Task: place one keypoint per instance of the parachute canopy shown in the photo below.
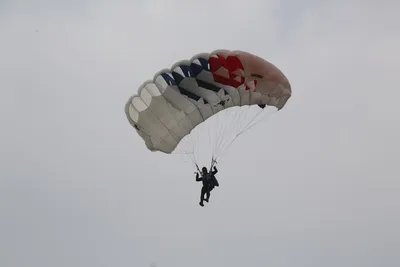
(170, 106)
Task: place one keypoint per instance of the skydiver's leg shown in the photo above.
(203, 191)
(208, 196)
(208, 193)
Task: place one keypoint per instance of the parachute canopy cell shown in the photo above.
(166, 109)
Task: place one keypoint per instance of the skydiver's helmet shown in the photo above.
(204, 170)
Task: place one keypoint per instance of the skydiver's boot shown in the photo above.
(201, 203)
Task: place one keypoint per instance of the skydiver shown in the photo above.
(206, 179)
(209, 182)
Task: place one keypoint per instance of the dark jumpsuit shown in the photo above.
(209, 182)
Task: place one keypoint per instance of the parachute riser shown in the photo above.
(213, 163)
(198, 169)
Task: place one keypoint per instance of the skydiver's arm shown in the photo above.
(198, 179)
(215, 171)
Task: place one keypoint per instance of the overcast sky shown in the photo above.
(316, 185)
